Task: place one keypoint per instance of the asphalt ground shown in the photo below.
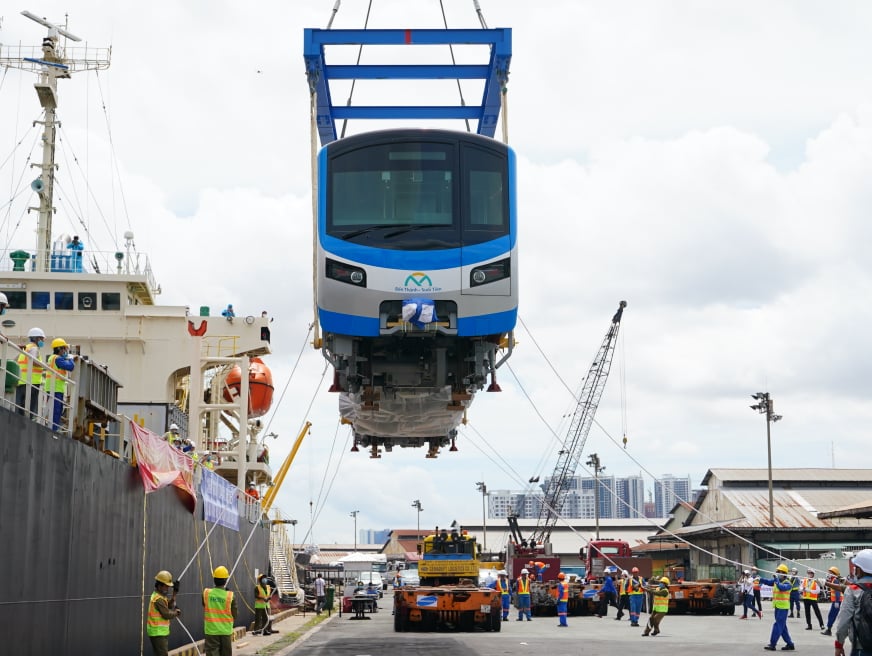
(712, 635)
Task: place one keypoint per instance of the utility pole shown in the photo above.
(417, 504)
(764, 406)
(594, 461)
(481, 487)
(353, 513)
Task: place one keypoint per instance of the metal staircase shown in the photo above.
(281, 557)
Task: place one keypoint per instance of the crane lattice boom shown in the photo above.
(588, 399)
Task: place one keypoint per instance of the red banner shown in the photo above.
(160, 464)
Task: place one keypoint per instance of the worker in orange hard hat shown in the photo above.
(636, 590)
(836, 584)
(562, 598)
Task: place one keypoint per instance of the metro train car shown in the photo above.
(416, 287)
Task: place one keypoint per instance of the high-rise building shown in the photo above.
(619, 497)
(668, 491)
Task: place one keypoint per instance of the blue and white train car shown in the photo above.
(416, 247)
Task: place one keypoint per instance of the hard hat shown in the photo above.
(164, 577)
(503, 572)
(863, 560)
(3, 299)
(58, 342)
(635, 570)
(525, 571)
(834, 570)
(220, 573)
(782, 569)
(746, 572)
(174, 428)
(794, 570)
(561, 576)
(665, 580)
(809, 571)
(251, 485)
(625, 573)
(36, 332)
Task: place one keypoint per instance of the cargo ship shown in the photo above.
(87, 517)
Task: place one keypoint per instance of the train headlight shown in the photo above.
(488, 273)
(346, 273)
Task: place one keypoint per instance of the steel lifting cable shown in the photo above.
(662, 528)
(359, 53)
(454, 63)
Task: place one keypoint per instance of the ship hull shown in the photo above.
(81, 543)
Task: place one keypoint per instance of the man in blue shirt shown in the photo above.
(781, 586)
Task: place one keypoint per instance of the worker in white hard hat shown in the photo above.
(504, 589)
(522, 587)
(31, 373)
(4, 303)
(862, 563)
(173, 434)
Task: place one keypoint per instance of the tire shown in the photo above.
(399, 620)
(496, 620)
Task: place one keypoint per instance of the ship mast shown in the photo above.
(52, 65)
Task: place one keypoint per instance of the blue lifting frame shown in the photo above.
(495, 74)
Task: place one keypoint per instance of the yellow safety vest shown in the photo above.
(24, 365)
(502, 587)
(660, 603)
(157, 625)
(60, 385)
(217, 618)
(263, 591)
(780, 598)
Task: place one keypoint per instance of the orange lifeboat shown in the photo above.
(260, 387)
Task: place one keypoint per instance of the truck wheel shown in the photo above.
(399, 621)
(496, 621)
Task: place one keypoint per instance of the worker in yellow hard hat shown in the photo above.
(61, 364)
(836, 584)
(161, 610)
(219, 614)
(659, 604)
(781, 586)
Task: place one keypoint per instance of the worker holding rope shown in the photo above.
(219, 614)
(161, 610)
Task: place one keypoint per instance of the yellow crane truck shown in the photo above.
(449, 596)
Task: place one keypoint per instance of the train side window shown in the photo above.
(17, 300)
(40, 300)
(87, 300)
(110, 301)
(63, 300)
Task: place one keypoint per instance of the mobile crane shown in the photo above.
(537, 549)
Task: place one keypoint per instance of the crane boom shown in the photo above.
(588, 400)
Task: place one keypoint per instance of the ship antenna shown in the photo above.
(52, 65)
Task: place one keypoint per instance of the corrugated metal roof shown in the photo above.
(817, 474)
(796, 508)
(859, 510)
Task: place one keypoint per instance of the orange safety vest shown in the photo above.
(756, 583)
(24, 365)
(636, 586)
(562, 592)
(157, 625)
(523, 586)
(622, 587)
(217, 618)
(810, 589)
(503, 587)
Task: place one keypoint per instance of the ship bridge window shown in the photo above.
(40, 300)
(87, 300)
(17, 300)
(63, 300)
(110, 300)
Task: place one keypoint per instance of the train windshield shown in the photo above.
(418, 195)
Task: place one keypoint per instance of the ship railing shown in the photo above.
(75, 58)
(62, 260)
(36, 401)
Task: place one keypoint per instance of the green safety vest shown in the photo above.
(262, 591)
(217, 618)
(60, 385)
(780, 598)
(157, 625)
(660, 602)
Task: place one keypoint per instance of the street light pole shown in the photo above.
(417, 504)
(481, 487)
(594, 461)
(354, 514)
(765, 406)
